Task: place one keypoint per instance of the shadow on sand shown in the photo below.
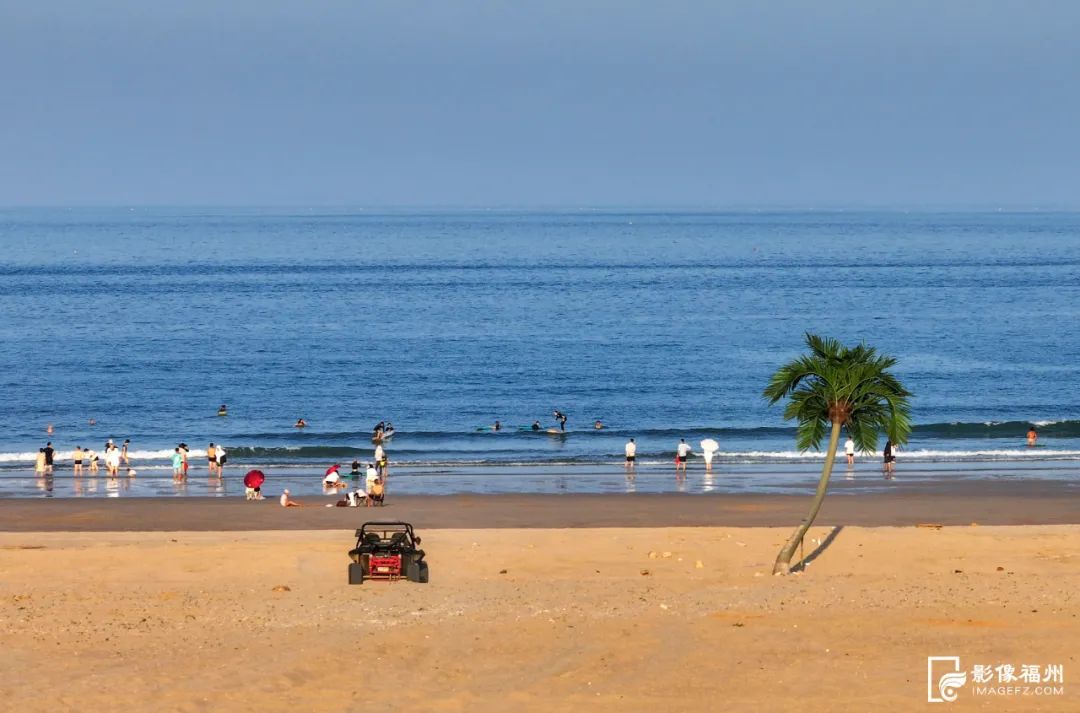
(801, 564)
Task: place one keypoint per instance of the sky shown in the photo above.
(522, 103)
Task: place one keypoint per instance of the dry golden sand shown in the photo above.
(580, 620)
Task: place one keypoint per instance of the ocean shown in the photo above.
(661, 325)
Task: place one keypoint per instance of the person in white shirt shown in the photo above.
(288, 502)
(849, 451)
(370, 476)
(631, 453)
(380, 458)
(112, 461)
(708, 450)
(682, 452)
(220, 454)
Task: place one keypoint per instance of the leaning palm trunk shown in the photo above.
(783, 560)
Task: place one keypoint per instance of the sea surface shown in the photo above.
(660, 325)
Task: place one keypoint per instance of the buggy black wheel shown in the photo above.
(356, 573)
(417, 572)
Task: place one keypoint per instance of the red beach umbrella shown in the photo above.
(333, 468)
(254, 479)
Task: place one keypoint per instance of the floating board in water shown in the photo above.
(555, 432)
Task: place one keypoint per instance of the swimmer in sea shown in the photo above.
(597, 425)
(223, 410)
(497, 426)
(300, 423)
(536, 426)
(1032, 436)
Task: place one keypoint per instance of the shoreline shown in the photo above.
(770, 478)
(955, 504)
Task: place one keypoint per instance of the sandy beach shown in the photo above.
(531, 618)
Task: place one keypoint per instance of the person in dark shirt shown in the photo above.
(561, 418)
(49, 453)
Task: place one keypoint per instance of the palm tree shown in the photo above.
(841, 387)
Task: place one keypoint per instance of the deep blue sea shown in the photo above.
(661, 325)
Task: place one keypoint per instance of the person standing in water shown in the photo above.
(211, 458)
(112, 461)
(889, 459)
(1032, 437)
(124, 452)
(708, 451)
(77, 458)
(849, 451)
(50, 454)
(221, 458)
(682, 452)
(631, 453)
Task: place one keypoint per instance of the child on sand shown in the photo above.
(288, 502)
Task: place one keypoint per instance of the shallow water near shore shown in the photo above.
(866, 477)
(661, 325)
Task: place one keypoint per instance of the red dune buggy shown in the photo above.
(387, 550)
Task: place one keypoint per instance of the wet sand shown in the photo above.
(532, 620)
(987, 503)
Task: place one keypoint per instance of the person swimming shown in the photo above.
(536, 426)
(300, 423)
(223, 410)
(1032, 436)
(497, 426)
(597, 424)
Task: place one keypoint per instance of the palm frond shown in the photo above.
(854, 384)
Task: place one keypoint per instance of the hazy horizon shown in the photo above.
(842, 105)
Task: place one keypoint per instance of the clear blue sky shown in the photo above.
(554, 102)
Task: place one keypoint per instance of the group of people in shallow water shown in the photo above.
(87, 460)
(683, 451)
(216, 458)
